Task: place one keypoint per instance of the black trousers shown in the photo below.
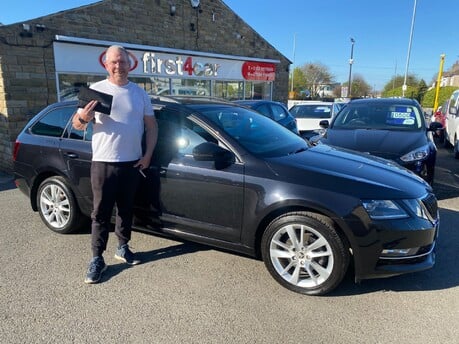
(113, 184)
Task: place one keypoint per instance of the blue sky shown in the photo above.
(322, 30)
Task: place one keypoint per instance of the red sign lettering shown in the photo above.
(259, 71)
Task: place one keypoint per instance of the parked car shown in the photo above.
(274, 110)
(308, 115)
(452, 124)
(227, 176)
(390, 128)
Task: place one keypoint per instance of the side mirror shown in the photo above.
(434, 126)
(324, 123)
(209, 151)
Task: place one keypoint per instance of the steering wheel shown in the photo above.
(357, 121)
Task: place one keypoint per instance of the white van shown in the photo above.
(452, 123)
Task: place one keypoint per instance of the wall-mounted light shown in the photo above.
(40, 27)
(172, 10)
(213, 16)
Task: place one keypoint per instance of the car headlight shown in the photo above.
(388, 209)
(384, 209)
(417, 208)
(418, 154)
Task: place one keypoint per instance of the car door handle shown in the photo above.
(71, 155)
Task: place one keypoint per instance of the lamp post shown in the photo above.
(292, 93)
(404, 87)
(351, 61)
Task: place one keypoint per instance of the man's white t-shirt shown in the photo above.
(118, 137)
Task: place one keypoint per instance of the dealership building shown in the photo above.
(180, 47)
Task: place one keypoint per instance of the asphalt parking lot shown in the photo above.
(189, 293)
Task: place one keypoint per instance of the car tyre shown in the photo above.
(304, 253)
(57, 206)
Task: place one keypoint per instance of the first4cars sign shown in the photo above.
(84, 59)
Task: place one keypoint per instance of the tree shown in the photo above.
(415, 89)
(422, 89)
(299, 83)
(316, 75)
(360, 88)
(398, 80)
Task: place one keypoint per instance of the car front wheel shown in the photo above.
(304, 253)
(57, 206)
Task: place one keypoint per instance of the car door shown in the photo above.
(452, 118)
(195, 196)
(75, 149)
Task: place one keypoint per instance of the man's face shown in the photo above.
(117, 64)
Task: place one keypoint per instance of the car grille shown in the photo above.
(431, 205)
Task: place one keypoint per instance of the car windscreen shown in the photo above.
(258, 134)
(379, 116)
(311, 111)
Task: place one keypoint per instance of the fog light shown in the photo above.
(399, 252)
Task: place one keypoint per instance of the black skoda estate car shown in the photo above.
(226, 176)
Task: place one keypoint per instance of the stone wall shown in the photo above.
(27, 75)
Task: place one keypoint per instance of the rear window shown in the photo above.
(54, 122)
(311, 111)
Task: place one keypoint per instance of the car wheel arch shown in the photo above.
(325, 231)
(63, 193)
(320, 215)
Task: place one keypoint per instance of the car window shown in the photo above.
(177, 135)
(311, 111)
(279, 112)
(265, 110)
(85, 135)
(256, 133)
(379, 116)
(54, 122)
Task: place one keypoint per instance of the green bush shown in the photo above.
(443, 95)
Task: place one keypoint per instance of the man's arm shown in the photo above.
(151, 136)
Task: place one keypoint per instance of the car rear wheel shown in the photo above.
(57, 206)
(304, 253)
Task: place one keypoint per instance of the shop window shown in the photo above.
(231, 90)
(257, 90)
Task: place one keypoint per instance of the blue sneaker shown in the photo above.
(124, 254)
(95, 269)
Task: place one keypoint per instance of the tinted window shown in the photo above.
(54, 122)
(265, 110)
(279, 112)
(177, 135)
(73, 133)
(311, 111)
(259, 135)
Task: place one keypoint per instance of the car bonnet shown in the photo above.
(389, 144)
(348, 172)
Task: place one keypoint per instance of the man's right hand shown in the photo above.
(88, 113)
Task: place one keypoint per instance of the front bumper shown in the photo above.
(394, 247)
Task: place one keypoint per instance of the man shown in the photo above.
(117, 159)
